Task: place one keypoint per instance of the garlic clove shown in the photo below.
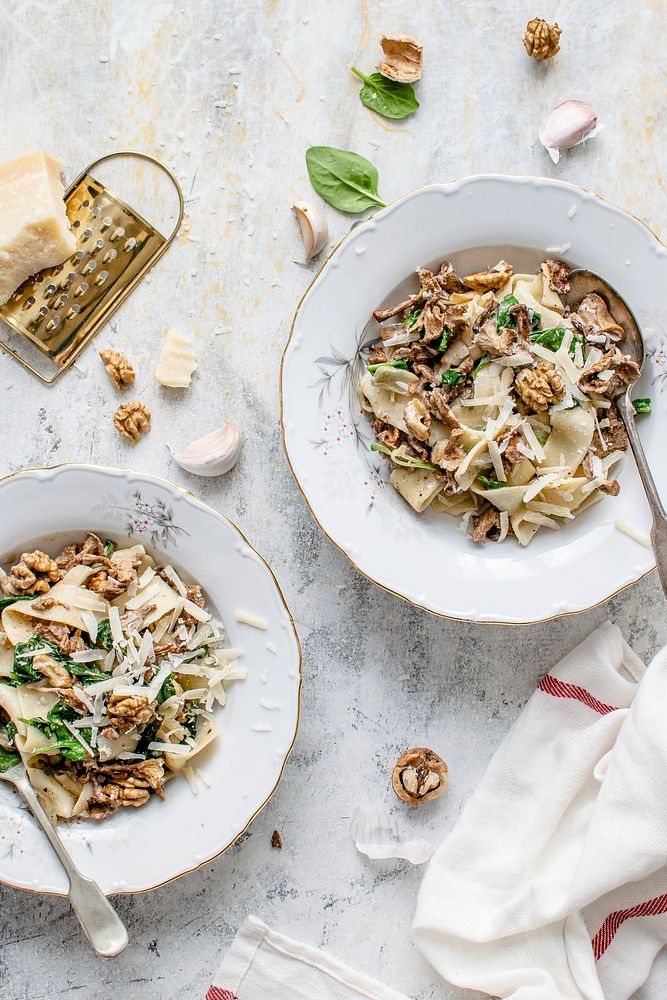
(568, 124)
(314, 229)
(211, 455)
(377, 835)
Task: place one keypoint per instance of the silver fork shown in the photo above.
(101, 924)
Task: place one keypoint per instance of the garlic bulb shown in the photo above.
(213, 454)
(567, 125)
(314, 229)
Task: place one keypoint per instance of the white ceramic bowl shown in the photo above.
(422, 558)
(135, 850)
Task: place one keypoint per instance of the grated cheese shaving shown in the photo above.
(504, 525)
(632, 532)
(245, 618)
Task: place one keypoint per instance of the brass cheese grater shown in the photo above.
(61, 309)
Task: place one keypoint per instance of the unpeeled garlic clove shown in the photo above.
(567, 125)
(314, 229)
(211, 455)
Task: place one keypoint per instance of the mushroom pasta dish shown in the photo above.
(110, 667)
(493, 401)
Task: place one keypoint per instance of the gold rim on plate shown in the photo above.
(388, 590)
(230, 523)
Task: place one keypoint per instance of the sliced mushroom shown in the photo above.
(488, 281)
(419, 776)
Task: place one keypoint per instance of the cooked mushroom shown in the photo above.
(419, 776)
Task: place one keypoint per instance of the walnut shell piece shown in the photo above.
(118, 368)
(542, 40)
(419, 775)
(403, 58)
(132, 420)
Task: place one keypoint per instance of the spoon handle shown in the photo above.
(659, 527)
(101, 924)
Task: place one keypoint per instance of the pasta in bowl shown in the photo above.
(327, 428)
(110, 668)
(117, 669)
(493, 401)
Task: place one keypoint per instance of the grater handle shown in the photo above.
(135, 153)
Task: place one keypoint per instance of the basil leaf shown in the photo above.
(446, 334)
(8, 759)
(109, 547)
(452, 377)
(642, 405)
(398, 363)
(346, 180)
(104, 637)
(6, 602)
(490, 484)
(413, 317)
(389, 98)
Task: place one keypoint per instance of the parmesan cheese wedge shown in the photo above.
(34, 228)
(176, 362)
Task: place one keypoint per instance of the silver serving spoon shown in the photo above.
(101, 924)
(582, 283)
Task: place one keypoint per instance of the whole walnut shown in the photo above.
(541, 39)
(118, 368)
(132, 420)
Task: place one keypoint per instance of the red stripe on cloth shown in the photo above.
(215, 993)
(604, 937)
(561, 689)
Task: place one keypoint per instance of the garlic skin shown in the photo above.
(567, 125)
(211, 455)
(377, 835)
(314, 229)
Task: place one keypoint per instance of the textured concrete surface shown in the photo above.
(231, 95)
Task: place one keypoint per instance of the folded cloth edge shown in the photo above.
(254, 933)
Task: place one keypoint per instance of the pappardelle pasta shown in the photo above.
(110, 667)
(492, 401)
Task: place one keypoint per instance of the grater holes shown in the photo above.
(73, 311)
(60, 301)
(53, 323)
(87, 233)
(49, 291)
(30, 301)
(130, 245)
(77, 257)
(82, 289)
(76, 224)
(117, 234)
(99, 245)
(101, 277)
(90, 266)
(109, 256)
(106, 222)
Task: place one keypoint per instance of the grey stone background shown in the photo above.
(231, 94)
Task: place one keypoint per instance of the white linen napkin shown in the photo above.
(265, 965)
(553, 883)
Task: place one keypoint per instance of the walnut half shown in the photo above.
(419, 776)
(132, 420)
(119, 369)
(539, 387)
(541, 40)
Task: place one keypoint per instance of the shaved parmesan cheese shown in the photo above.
(175, 748)
(504, 525)
(632, 532)
(88, 655)
(603, 443)
(271, 646)
(592, 357)
(551, 508)
(79, 737)
(196, 611)
(592, 485)
(114, 622)
(90, 622)
(537, 485)
(191, 779)
(494, 454)
(515, 360)
(245, 618)
(496, 400)
(531, 439)
(171, 573)
(204, 777)
(541, 519)
(145, 578)
(99, 687)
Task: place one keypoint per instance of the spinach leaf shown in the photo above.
(413, 317)
(148, 735)
(446, 334)
(482, 363)
(553, 338)
(167, 690)
(642, 405)
(504, 318)
(23, 671)
(389, 98)
(8, 759)
(491, 484)
(104, 637)
(398, 363)
(109, 547)
(6, 602)
(406, 461)
(52, 726)
(346, 180)
(11, 733)
(452, 377)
